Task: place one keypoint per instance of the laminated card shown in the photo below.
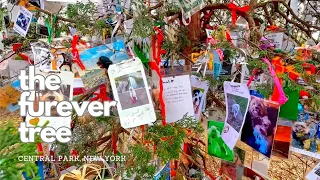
(237, 102)
(130, 90)
(177, 97)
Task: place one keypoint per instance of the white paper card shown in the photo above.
(130, 90)
(23, 21)
(65, 93)
(177, 97)
(237, 98)
(276, 38)
(42, 58)
(199, 92)
(314, 174)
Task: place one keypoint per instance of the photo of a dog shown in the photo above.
(131, 90)
(216, 146)
(259, 127)
(59, 95)
(23, 21)
(197, 96)
(306, 131)
(236, 110)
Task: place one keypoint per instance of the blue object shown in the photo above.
(217, 65)
(40, 169)
(24, 174)
(165, 171)
(256, 93)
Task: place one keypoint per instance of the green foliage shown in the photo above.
(182, 41)
(11, 148)
(139, 163)
(265, 89)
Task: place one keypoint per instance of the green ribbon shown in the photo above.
(141, 56)
(50, 27)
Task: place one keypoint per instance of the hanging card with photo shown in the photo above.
(216, 146)
(93, 78)
(237, 97)
(115, 51)
(306, 135)
(64, 62)
(282, 139)
(199, 92)
(131, 91)
(314, 174)
(260, 124)
(42, 57)
(23, 21)
(177, 94)
(276, 38)
(65, 93)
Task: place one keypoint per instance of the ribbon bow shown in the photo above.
(102, 95)
(273, 28)
(75, 52)
(265, 44)
(234, 9)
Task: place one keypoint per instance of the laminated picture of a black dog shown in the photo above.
(23, 21)
(237, 106)
(260, 124)
(59, 95)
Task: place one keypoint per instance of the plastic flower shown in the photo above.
(211, 41)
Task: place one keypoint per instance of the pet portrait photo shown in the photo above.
(94, 78)
(59, 95)
(260, 125)
(306, 134)
(23, 21)
(131, 90)
(237, 107)
(197, 98)
(216, 146)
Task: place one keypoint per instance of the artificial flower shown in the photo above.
(220, 53)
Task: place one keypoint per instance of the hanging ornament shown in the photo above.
(50, 26)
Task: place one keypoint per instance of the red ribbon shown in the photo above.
(154, 65)
(273, 28)
(234, 9)
(75, 52)
(40, 149)
(114, 142)
(102, 95)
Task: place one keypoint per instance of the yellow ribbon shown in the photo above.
(195, 57)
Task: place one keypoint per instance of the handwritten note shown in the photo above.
(178, 97)
(276, 38)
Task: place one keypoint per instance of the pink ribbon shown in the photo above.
(280, 96)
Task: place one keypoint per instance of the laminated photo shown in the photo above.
(64, 62)
(216, 146)
(260, 125)
(115, 51)
(93, 78)
(199, 92)
(131, 92)
(42, 58)
(306, 134)
(23, 21)
(177, 93)
(65, 93)
(237, 102)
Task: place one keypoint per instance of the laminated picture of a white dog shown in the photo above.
(131, 90)
(237, 106)
(260, 125)
(197, 97)
(62, 94)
